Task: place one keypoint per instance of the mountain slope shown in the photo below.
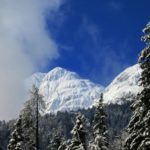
(64, 90)
(124, 87)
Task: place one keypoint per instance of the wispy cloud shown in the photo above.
(25, 45)
(106, 55)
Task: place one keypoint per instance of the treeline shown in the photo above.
(118, 117)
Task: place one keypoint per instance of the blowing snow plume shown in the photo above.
(25, 45)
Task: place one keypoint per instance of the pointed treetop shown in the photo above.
(145, 54)
(147, 28)
(146, 37)
(34, 89)
(101, 97)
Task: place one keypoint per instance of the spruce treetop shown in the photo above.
(145, 54)
(139, 126)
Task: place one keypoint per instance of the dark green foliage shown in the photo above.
(118, 141)
(117, 119)
(49, 124)
(28, 125)
(99, 127)
(63, 145)
(55, 143)
(79, 140)
(27, 129)
(17, 138)
(139, 126)
(5, 133)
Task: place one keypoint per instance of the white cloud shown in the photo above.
(25, 45)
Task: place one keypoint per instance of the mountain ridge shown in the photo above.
(124, 86)
(64, 90)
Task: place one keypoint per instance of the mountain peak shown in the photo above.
(124, 86)
(58, 72)
(64, 90)
(58, 69)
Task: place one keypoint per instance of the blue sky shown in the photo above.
(98, 38)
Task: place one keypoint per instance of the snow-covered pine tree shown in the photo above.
(63, 145)
(99, 128)
(30, 115)
(55, 142)
(17, 138)
(28, 127)
(139, 126)
(79, 141)
(118, 141)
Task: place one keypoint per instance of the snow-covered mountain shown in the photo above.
(124, 87)
(64, 90)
